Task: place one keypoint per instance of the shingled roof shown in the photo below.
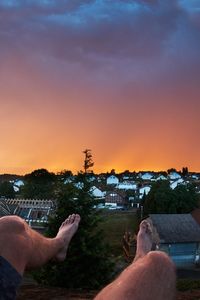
(176, 228)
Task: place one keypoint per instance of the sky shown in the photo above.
(120, 77)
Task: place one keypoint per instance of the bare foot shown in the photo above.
(65, 233)
(144, 240)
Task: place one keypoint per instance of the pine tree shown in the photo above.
(87, 264)
(88, 162)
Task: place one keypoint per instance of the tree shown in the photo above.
(171, 170)
(88, 162)
(65, 175)
(185, 171)
(39, 184)
(87, 264)
(162, 199)
(112, 172)
(187, 198)
(6, 190)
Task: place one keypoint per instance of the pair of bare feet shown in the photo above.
(70, 226)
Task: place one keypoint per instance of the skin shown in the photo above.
(25, 248)
(150, 276)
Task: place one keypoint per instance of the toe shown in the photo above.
(77, 218)
(149, 229)
(72, 218)
(67, 221)
(144, 225)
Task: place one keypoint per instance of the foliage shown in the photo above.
(64, 175)
(40, 184)
(88, 162)
(6, 190)
(87, 264)
(162, 199)
(185, 171)
(171, 170)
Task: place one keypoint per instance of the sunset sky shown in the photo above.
(120, 77)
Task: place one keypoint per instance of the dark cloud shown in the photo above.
(125, 35)
(102, 27)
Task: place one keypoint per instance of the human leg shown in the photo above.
(52, 248)
(25, 248)
(150, 276)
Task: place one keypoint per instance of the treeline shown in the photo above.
(163, 200)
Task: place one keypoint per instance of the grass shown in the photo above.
(188, 284)
(114, 225)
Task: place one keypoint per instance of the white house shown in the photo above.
(68, 180)
(146, 176)
(79, 185)
(161, 177)
(126, 185)
(174, 176)
(126, 177)
(97, 193)
(144, 190)
(194, 176)
(112, 179)
(17, 184)
(174, 184)
(91, 178)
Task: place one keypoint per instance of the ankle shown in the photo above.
(60, 242)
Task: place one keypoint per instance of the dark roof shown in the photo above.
(176, 228)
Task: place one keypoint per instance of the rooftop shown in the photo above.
(176, 228)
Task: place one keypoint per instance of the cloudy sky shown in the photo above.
(121, 77)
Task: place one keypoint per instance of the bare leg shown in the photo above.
(150, 276)
(26, 248)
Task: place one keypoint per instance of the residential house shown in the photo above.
(91, 178)
(174, 176)
(195, 177)
(126, 185)
(68, 180)
(112, 179)
(146, 176)
(144, 190)
(115, 199)
(179, 236)
(161, 177)
(17, 184)
(79, 185)
(97, 192)
(174, 184)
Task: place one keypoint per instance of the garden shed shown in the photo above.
(178, 236)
